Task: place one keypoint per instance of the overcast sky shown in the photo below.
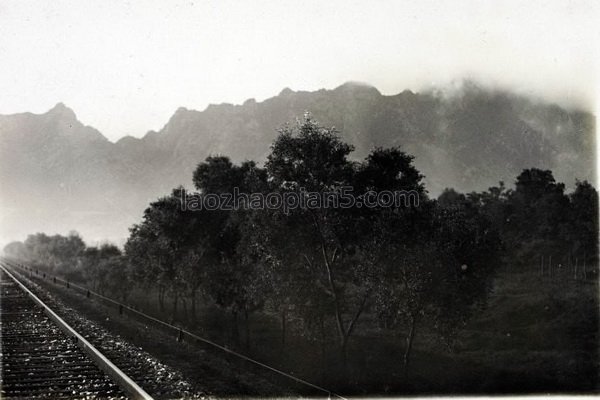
(125, 67)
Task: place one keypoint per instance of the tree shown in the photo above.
(435, 263)
(583, 222)
(311, 158)
(16, 250)
(410, 278)
(94, 264)
(236, 281)
(154, 245)
(469, 247)
(538, 212)
(59, 253)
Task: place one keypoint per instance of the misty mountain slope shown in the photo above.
(57, 174)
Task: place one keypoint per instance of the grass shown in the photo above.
(537, 335)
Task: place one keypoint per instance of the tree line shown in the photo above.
(410, 266)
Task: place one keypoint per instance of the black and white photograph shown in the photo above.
(276, 199)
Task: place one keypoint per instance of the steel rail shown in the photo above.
(126, 383)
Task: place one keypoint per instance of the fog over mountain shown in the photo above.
(59, 175)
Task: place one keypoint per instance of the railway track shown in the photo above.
(156, 378)
(43, 357)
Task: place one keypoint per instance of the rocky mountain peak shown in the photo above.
(60, 110)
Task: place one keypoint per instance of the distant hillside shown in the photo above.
(57, 174)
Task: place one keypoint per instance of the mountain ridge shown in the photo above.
(468, 139)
